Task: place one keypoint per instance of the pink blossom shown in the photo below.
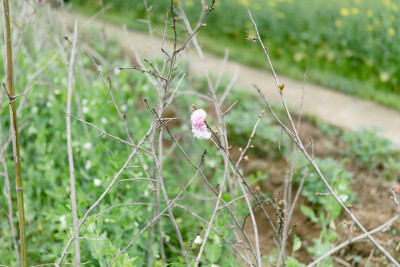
(41, 2)
(199, 128)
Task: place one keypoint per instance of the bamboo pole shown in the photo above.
(14, 132)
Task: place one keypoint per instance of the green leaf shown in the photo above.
(213, 251)
(292, 262)
(296, 243)
(91, 228)
(127, 261)
(309, 213)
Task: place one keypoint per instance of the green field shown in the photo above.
(351, 46)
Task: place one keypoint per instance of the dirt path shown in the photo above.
(333, 107)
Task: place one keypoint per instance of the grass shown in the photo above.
(346, 68)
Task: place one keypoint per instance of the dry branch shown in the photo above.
(69, 146)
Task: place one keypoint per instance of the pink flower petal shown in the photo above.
(199, 128)
(201, 134)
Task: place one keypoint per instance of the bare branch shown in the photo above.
(70, 153)
(300, 145)
(107, 134)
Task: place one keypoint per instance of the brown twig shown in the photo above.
(295, 137)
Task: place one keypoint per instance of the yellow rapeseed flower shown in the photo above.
(189, 3)
(391, 32)
(344, 12)
(370, 14)
(271, 3)
(244, 3)
(354, 11)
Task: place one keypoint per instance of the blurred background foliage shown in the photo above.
(349, 45)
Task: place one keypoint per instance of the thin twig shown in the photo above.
(107, 134)
(118, 205)
(348, 242)
(94, 205)
(300, 145)
(235, 220)
(156, 217)
(143, 71)
(230, 86)
(70, 152)
(222, 68)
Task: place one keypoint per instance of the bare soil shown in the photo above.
(374, 207)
